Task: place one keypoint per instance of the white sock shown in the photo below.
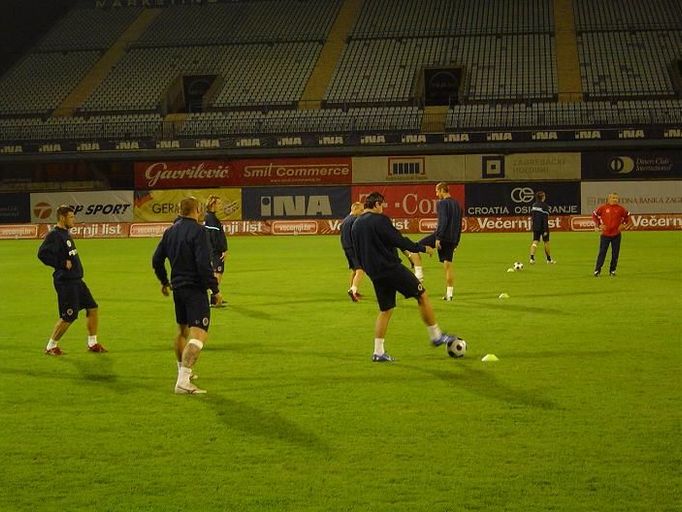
(51, 344)
(92, 340)
(434, 332)
(179, 365)
(354, 289)
(183, 376)
(450, 291)
(379, 346)
(419, 273)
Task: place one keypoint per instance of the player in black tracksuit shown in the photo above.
(185, 244)
(540, 226)
(216, 237)
(347, 246)
(376, 241)
(447, 235)
(58, 251)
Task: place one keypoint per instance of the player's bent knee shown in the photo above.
(196, 343)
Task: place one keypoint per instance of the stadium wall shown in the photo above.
(310, 195)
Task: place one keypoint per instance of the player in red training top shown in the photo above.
(608, 218)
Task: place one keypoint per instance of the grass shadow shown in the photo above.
(485, 384)
(267, 425)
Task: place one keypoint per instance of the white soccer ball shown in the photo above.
(457, 348)
(518, 266)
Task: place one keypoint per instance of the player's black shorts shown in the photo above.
(446, 251)
(72, 296)
(540, 234)
(400, 280)
(218, 263)
(191, 307)
(353, 263)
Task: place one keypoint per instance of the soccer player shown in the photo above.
(540, 225)
(217, 239)
(185, 244)
(445, 239)
(609, 218)
(58, 251)
(375, 240)
(356, 271)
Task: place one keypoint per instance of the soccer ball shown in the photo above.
(457, 348)
(518, 266)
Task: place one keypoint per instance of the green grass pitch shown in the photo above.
(581, 413)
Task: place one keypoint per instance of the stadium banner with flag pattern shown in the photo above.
(164, 205)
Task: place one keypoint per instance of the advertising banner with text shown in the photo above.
(467, 168)
(407, 201)
(524, 167)
(631, 165)
(251, 172)
(164, 205)
(415, 226)
(636, 196)
(409, 169)
(15, 208)
(263, 203)
(517, 198)
(109, 206)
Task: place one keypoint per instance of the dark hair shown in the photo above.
(372, 199)
(63, 210)
(540, 195)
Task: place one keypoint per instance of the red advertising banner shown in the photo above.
(416, 225)
(183, 174)
(295, 171)
(227, 173)
(17, 231)
(407, 201)
(92, 230)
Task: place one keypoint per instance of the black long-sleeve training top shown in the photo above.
(449, 228)
(58, 247)
(216, 233)
(375, 241)
(186, 246)
(540, 216)
(345, 229)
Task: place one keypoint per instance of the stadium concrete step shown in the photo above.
(566, 46)
(104, 65)
(434, 119)
(331, 52)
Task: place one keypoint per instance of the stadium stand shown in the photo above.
(624, 15)
(627, 47)
(40, 81)
(269, 57)
(88, 29)
(428, 18)
(251, 73)
(242, 22)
